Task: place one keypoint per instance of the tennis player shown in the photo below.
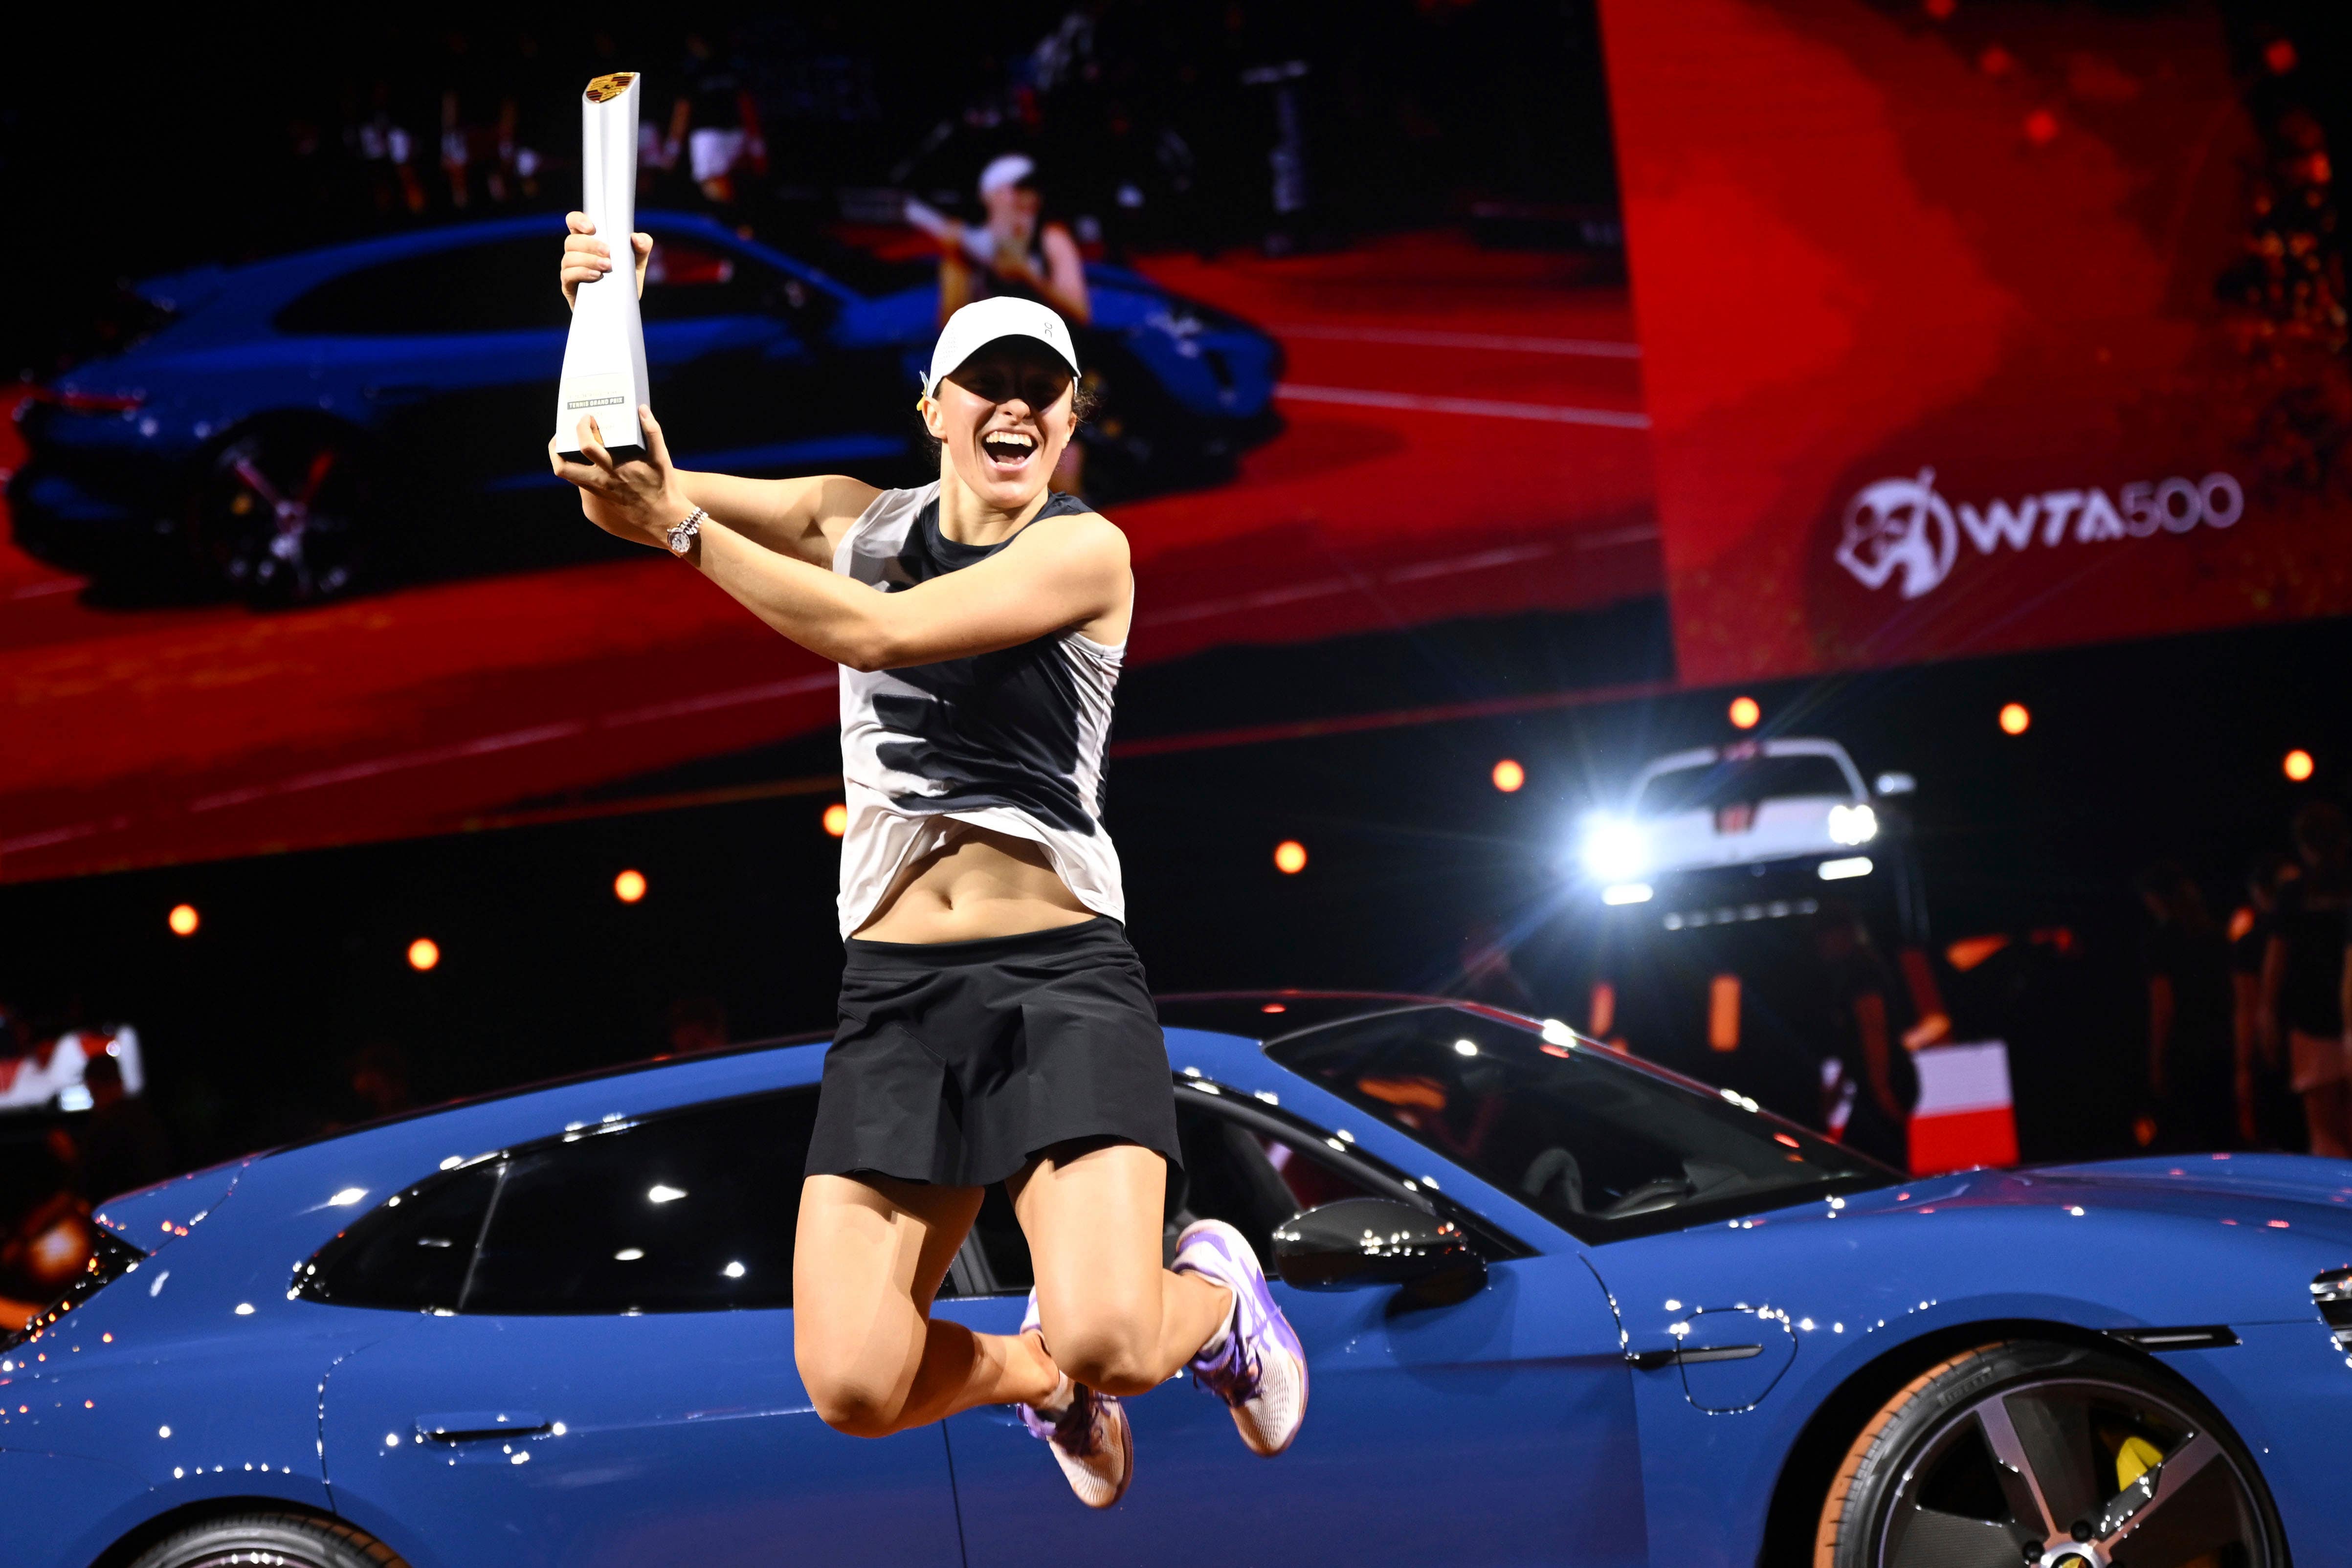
(994, 1022)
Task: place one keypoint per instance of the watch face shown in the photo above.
(679, 540)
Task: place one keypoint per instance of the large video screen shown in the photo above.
(283, 564)
(1977, 325)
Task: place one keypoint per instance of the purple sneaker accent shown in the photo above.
(1090, 1436)
(1261, 1370)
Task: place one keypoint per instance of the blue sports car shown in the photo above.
(1559, 1308)
(248, 441)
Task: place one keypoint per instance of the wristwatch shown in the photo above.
(683, 534)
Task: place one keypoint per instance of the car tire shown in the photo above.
(1962, 1467)
(285, 513)
(282, 1540)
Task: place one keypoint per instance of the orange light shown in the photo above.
(1274, 1008)
(1290, 857)
(1744, 712)
(1723, 1013)
(2014, 719)
(424, 953)
(1509, 775)
(2299, 765)
(629, 886)
(183, 920)
(836, 819)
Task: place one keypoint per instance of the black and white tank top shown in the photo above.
(1011, 740)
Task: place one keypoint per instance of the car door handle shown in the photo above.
(475, 1425)
(1649, 1360)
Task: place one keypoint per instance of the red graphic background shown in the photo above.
(1865, 242)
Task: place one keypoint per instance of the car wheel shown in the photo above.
(282, 514)
(2038, 1453)
(281, 1539)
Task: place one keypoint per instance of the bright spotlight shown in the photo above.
(424, 953)
(1852, 824)
(2299, 766)
(1744, 712)
(1850, 866)
(1509, 775)
(1614, 850)
(629, 886)
(183, 920)
(1627, 893)
(2014, 718)
(836, 819)
(1290, 857)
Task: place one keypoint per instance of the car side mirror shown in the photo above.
(1896, 784)
(1361, 1241)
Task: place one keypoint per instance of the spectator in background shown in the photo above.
(692, 1024)
(124, 1145)
(2303, 977)
(2268, 1114)
(2190, 1069)
(1869, 1082)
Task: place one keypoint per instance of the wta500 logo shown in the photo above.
(1903, 528)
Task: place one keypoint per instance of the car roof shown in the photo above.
(1742, 751)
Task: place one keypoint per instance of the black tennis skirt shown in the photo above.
(958, 1062)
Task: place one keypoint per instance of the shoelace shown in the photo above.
(1076, 1431)
(1234, 1375)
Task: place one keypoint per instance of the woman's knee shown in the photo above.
(847, 1401)
(1111, 1354)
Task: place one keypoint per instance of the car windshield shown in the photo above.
(1745, 780)
(1599, 1145)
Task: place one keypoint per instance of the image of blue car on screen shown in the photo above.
(242, 446)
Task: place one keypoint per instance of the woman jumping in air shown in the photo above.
(995, 1023)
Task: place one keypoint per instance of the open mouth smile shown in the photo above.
(1008, 450)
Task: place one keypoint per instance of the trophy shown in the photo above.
(604, 357)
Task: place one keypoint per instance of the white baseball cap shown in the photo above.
(984, 322)
(1012, 169)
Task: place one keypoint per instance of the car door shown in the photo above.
(601, 1371)
(1498, 1430)
(745, 376)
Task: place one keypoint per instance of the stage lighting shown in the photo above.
(424, 953)
(183, 920)
(2299, 766)
(1627, 893)
(1840, 870)
(629, 886)
(1290, 857)
(1509, 775)
(1852, 824)
(2014, 719)
(836, 819)
(1744, 712)
(1614, 850)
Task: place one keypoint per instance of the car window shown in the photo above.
(413, 1251)
(506, 285)
(686, 281)
(1601, 1147)
(689, 1211)
(1742, 781)
(1243, 1173)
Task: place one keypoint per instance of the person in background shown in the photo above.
(2190, 1069)
(1014, 251)
(2303, 977)
(2268, 1115)
(1869, 1082)
(124, 1145)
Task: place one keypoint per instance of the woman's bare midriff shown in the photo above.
(981, 883)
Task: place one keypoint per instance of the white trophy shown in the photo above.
(604, 357)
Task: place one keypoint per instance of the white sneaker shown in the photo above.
(1259, 1369)
(1089, 1433)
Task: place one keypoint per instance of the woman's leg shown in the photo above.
(1115, 1320)
(869, 1257)
(2325, 1110)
